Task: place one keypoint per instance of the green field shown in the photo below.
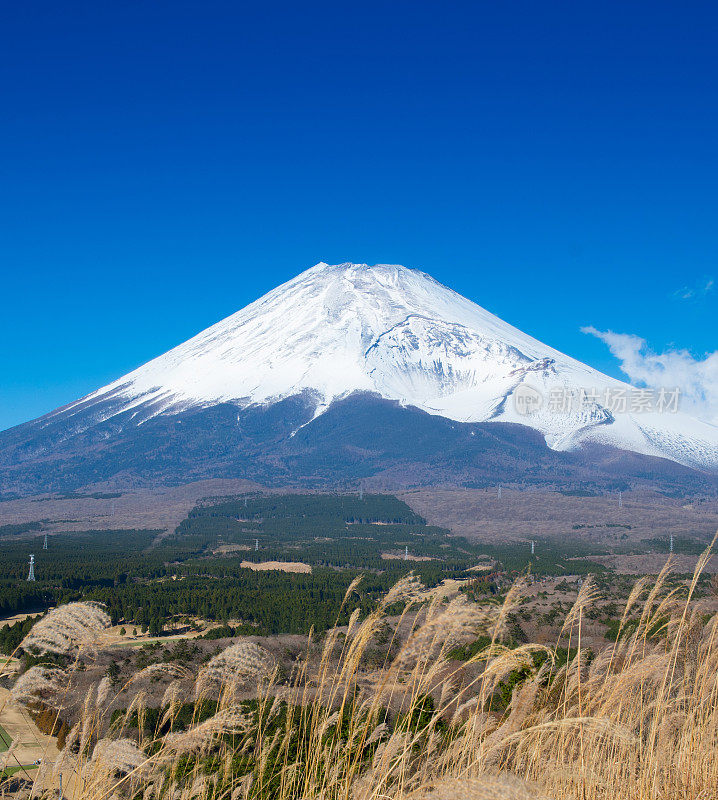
(8, 771)
(5, 740)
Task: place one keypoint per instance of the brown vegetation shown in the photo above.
(480, 515)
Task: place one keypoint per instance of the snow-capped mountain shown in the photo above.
(339, 329)
(352, 371)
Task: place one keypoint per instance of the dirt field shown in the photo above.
(20, 617)
(112, 636)
(282, 566)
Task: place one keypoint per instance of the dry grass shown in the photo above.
(68, 629)
(635, 721)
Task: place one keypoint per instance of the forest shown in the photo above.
(201, 570)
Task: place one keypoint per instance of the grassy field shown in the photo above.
(5, 740)
(10, 771)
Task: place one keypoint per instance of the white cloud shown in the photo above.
(697, 378)
(695, 292)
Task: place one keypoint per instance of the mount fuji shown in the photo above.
(350, 370)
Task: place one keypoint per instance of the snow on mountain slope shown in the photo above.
(334, 330)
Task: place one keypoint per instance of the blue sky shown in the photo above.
(165, 163)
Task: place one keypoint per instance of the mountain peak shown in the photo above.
(353, 269)
(348, 266)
